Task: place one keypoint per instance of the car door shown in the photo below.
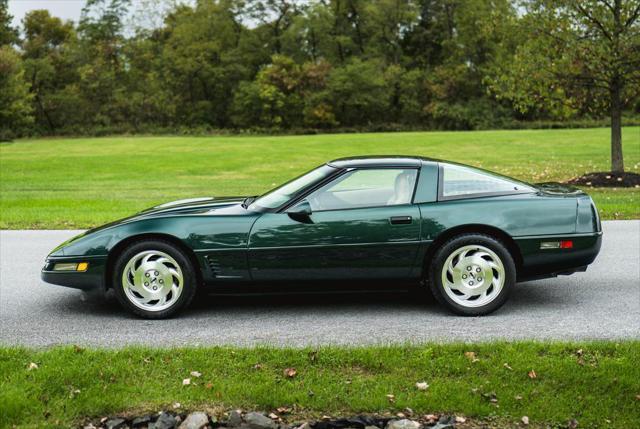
(362, 225)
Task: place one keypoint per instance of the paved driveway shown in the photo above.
(603, 303)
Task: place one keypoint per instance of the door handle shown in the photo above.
(400, 220)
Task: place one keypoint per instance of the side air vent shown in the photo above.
(214, 266)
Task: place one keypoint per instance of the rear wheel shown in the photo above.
(472, 274)
(154, 279)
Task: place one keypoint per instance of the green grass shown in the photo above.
(71, 383)
(78, 183)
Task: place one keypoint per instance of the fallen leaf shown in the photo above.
(257, 366)
(32, 366)
(391, 398)
(400, 415)
(471, 356)
(525, 420)
(506, 365)
(532, 374)
(283, 410)
(209, 386)
(518, 398)
(460, 419)
(422, 385)
(638, 397)
(195, 374)
(186, 382)
(176, 405)
(491, 397)
(273, 416)
(290, 372)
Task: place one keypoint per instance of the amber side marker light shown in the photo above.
(564, 244)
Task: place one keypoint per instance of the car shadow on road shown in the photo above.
(525, 297)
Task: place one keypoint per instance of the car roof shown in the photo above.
(380, 161)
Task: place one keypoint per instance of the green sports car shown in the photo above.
(466, 234)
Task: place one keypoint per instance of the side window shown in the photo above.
(461, 181)
(366, 188)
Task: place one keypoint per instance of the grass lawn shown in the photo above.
(595, 383)
(79, 183)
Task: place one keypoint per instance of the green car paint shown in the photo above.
(230, 242)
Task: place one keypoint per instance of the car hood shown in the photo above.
(192, 205)
(209, 205)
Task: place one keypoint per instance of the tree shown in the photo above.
(8, 34)
(206, 53)
(578, 55)
(358, 93)
(15, 100)
(47, 67)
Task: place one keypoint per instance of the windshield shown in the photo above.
(278, 196)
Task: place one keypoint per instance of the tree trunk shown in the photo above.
(617, 162)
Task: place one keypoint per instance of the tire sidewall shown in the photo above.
(441, 255)
(188, 275)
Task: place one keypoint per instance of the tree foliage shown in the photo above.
(15, 107)
(294, 64)
(578, 57)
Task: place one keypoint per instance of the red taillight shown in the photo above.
(566, 244)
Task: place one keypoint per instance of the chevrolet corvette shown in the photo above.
(466, 234)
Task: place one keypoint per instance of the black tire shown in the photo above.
(439, 258)
(189, 285)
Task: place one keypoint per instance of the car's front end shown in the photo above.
(82, 261)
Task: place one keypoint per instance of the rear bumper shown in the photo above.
(538, 263)
(91, 279)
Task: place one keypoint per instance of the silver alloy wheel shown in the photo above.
(152, 280)
(473, 276)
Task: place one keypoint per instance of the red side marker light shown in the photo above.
(566, 244)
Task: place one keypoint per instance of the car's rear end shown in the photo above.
(553, 255)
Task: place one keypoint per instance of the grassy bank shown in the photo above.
(595, 383)
(78, 183)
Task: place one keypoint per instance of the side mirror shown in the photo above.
(301, 212)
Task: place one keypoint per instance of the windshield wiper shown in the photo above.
(247, 201)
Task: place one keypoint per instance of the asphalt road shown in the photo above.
(603, 303)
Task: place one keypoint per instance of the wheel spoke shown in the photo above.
(175, 273)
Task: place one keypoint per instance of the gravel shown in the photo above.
(603, 303)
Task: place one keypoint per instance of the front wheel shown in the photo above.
(154, 279)
(472, 274)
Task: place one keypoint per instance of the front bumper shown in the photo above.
(91, 279)
(541, 263)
